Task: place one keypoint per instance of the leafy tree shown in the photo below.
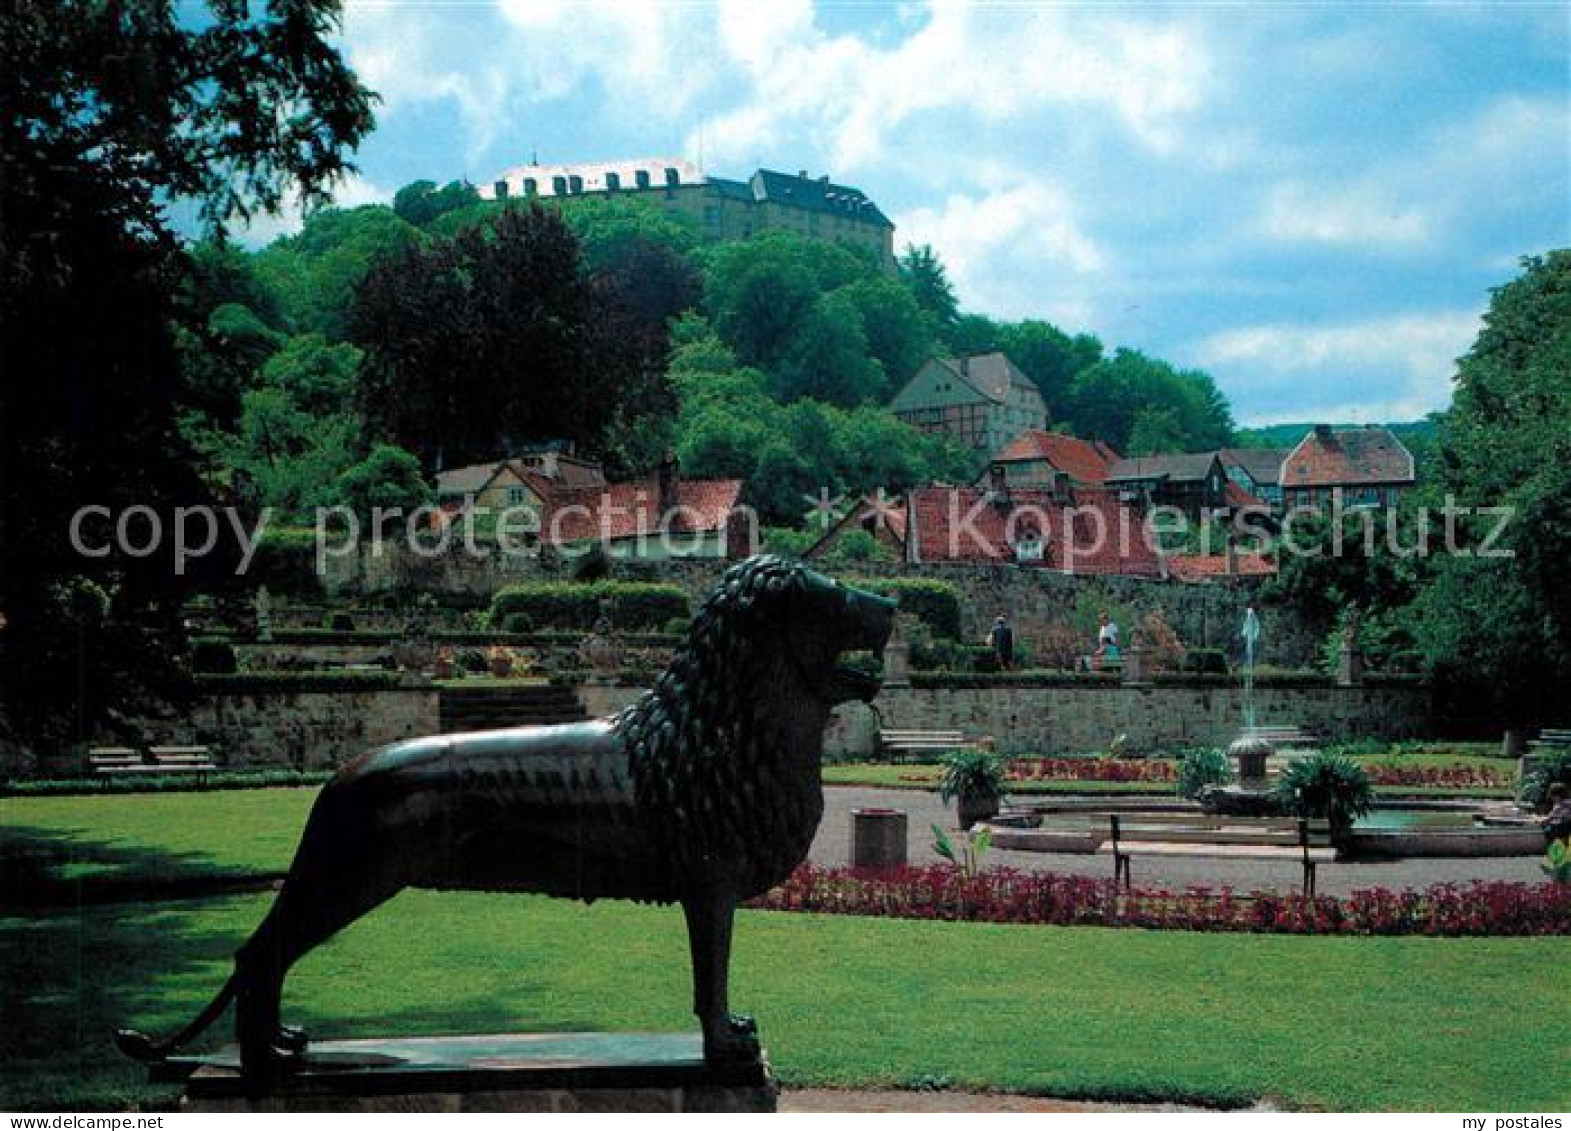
(1156, 429)
(1106, 399)
(389, 478)
(923, 273)
(112, 110)
(316, 273)
(491, 338)
(1497, 631)
(899, 333)
(421, 202)
(973, 334)
(319, 376)
(291, 455)
(1050, 357)
(828, 356)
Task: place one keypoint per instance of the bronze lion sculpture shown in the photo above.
(706, 792)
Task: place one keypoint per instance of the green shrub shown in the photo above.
(676, 626)
(1201, 767)
(1205, 661)
(972, 774)
(935, 603)
(1326, 786)
(552, 604)
(340, 622)
(517, 622)
(1554, 765)
(930, 655)
(212, 655)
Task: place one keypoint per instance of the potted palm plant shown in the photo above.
(974, 780)
(1328, 787)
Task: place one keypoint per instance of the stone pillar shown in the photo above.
(1513, 744)
(1135, 659)
(897, 659)
(1349, 667)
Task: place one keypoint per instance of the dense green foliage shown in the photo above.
(934, 603)
(632, 605)
(1553, 768)
(1325, 786)
(113, 111)
(1200, 767)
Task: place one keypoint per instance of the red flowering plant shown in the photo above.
(1008, 896)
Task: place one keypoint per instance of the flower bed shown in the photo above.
(1007, 896)
(1446, 777)
(1090, 769)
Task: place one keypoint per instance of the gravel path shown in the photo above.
(832, 847)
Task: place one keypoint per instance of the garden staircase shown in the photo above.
(493, 707)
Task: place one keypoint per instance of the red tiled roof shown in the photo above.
(956, 524)
(1204, 567)
(626, 510)
(1235, 496)
(891, 514)
(1082, 461)
(1354, 457)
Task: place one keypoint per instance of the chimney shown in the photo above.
(802, 173)
(670, 494)
(1322, 431)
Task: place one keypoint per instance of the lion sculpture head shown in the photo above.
(725, 751)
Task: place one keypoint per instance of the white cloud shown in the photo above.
(1392, 368)
(350, 192)
(1356, 215)
(1014, 251)
(1001, 65)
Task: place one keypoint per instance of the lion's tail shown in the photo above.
(140, 1046)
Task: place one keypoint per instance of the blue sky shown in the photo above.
(1309, 201)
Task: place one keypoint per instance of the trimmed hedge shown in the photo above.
(559, 605)
(935, 603)
(939, 680)
(264, 683)
(174, 783)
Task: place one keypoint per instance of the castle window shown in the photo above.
(500, 188)
(558, 186)
(531, 186)
(641, 178)
(613, 181)
(575, 184)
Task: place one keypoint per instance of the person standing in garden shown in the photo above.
(1002, 640)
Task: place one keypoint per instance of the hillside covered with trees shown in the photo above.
(453, 330)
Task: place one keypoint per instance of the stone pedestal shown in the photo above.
(1349, 667)
(517, 1072)
(1135, 664)
(897, 658)
(878, 838)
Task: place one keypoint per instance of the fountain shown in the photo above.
(1251, 796)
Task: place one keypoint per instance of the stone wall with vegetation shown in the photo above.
(283, 726)
(1040, 602)
(1084, 716)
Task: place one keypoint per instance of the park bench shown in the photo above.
(1228, 838)
(158, 760)
(899, 745)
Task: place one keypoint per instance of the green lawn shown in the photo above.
(153, 837)
(1437, 1024)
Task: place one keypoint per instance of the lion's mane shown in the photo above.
(715, 748)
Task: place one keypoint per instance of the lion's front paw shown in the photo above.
(734, 1038)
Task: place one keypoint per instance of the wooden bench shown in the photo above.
(157, 760)
(898, 744)
(1229, 838)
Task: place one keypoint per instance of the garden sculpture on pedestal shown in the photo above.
(706, 792)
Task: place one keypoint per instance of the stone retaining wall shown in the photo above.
(1156, 719)
(301, 729)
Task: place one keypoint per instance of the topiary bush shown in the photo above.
(1326, 786)
(935, 603)
(634, 605)
(1201, 767)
